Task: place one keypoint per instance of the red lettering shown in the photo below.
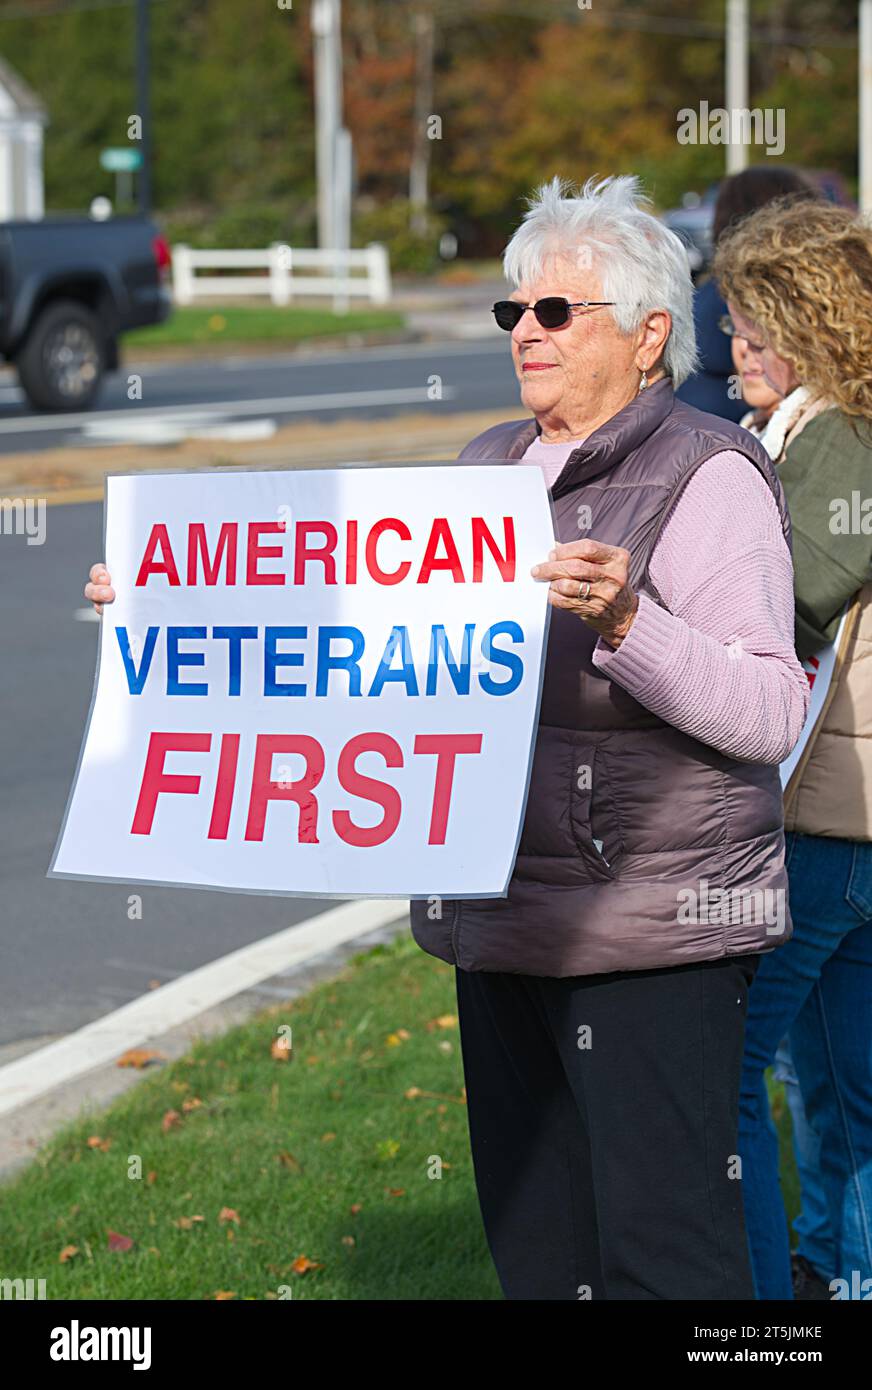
(441, 531)
(224, 786)
(198, 549)
(258, 552)
(446, 747)
(167, 565)
(303, 552)
(155, 780)
(382, 793)
(505, 562)
(264, 790)
(388, 523)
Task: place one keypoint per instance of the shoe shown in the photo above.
(808, 1286)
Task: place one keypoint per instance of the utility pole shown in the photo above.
(736, 78)
(332, 140)
(865, 83)
(420, 167)
(143, 106)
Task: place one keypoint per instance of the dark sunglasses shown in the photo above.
(552, 312)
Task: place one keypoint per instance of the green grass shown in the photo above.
(789, 1175)
(371, 1093)
(250, 323)
(351, 1065)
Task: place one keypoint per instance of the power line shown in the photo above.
(458, 11)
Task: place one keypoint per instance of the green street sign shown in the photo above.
(120, 160)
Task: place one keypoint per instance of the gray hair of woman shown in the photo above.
(642, 266)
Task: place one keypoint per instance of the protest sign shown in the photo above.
(319, 682)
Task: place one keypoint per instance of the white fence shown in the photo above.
(288, 273)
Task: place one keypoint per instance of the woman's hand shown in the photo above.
(610, 605)
(99, 588)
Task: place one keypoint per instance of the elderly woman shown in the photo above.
(798, 281)
(602, 1001)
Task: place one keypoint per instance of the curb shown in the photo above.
(34, 1107)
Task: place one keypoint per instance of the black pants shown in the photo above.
(602, 1116)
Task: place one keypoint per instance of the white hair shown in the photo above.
(642, 265)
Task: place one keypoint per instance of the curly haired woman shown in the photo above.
(798, 283)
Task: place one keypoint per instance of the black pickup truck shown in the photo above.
(68, 288)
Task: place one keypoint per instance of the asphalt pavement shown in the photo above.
(248, 397)
(69, 951)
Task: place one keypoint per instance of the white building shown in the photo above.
(22, 119)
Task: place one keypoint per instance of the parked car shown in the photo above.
(693, 221)
(69, 287)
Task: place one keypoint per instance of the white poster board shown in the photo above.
(819, 669)
(317, 682)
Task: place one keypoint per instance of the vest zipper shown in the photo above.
(455, 925)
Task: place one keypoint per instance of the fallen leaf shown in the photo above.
(152, 1178)
(95, 1142)
(119, 1242)
(395, 1191)
(279, 1050)
(288, 1160)
(413, 1093)
(139, 1057)
(443, 1021)
(185, 1223)
(348, 1240)
(302, 1264)
(170, 1120)
(193, 1103)
(68, 1253)
(222, 1295)
(228, 1214)
(357, 1207)
(327, 1138)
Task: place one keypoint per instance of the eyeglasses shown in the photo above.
(726, 325)
(552, 312)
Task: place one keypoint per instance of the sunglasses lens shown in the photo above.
(507, 314)
(552, 312)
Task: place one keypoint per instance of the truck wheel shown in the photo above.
(61, 364)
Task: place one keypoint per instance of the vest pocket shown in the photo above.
(593, 813)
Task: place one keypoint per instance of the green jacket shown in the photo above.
(824, 466)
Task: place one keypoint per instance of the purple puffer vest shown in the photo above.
(641, 846)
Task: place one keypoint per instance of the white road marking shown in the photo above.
(134, 430)
(280, 405)
(159, 1010)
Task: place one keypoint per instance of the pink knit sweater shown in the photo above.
(719, 662)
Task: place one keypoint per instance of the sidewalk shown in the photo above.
(76, 475)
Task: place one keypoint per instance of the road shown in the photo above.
(68, 951)
(251, 396)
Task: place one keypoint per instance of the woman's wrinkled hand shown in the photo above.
(99, 587)
(610, 604)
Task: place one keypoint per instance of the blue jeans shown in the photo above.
(814, 1235)
(816, 988)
